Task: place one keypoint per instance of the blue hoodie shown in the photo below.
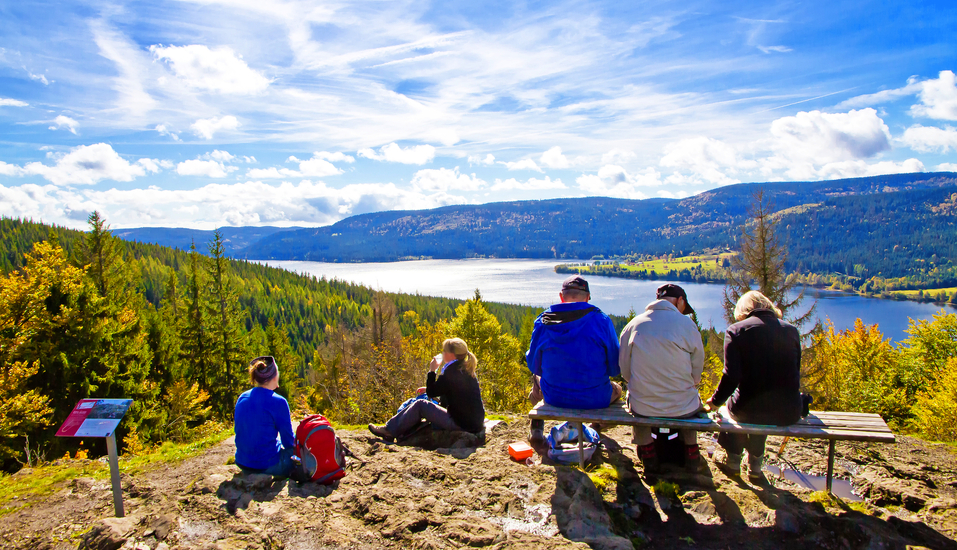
(574, 349)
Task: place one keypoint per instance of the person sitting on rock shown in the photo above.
(661, 360)
(761, 381)
(572, 355)
(264, 439)
(460, 406)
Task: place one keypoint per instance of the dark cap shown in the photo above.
(575, 282)
(675, 291)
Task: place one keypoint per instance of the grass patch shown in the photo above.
(348, 427)
(603, 476)
(502, 417)
(666, 490)
(45, 480)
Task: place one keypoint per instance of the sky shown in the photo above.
(206, 113)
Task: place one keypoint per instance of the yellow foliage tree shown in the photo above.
(935, 413)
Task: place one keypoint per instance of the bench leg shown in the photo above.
(830, 464)
(581, 446)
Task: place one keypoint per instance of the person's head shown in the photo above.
(575, 289)
(676, 295)
(751, 301)
(456, 347)
(264, 372)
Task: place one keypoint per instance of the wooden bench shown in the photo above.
(830, 425)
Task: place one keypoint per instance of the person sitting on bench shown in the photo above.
(761, 381)
(661, 360)
(460, 405)
(264, 439)
(572, 354)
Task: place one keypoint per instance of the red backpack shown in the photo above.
(319, 450)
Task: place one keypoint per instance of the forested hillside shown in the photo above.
(86, 314)
(234, 238)
(895, 225)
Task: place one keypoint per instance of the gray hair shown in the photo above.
(751, 301)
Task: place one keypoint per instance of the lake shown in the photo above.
(535, 283)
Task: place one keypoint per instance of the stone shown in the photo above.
(162, 546)
(252, 482)
(161, 526)
(785, 521)
(82, 484)
(941, 503)
(108, 534)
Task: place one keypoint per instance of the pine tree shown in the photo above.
(277, 345)
(227, 357)
(760, 265)
(195, 347)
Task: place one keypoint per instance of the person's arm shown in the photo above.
(697, 356)
(437, 386)
(731, 376)
(284, 424)
(612, 349)
(624, 355)
(533, 358)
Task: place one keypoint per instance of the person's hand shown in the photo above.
(434, 365)
(709, 406)
(420, 391)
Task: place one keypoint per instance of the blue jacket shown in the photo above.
(574, 349)
(263, 427)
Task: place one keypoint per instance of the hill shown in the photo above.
(475, 496)
(236, 238)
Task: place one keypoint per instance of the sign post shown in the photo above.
(99, 418)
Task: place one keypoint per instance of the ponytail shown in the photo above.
(458, 348)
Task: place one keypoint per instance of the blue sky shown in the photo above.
(248, 112)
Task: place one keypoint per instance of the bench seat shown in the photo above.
(830, 425)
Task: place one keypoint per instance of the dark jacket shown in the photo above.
(574, 348)
(459, 393)
(762, 371)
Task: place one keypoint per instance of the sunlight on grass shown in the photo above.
(666, 490)
(603, 476)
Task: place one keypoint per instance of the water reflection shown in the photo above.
(535, 283)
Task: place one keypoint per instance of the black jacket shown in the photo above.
(762, 370)
(459, 393)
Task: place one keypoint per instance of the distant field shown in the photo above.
(911, 294)
(711, 265)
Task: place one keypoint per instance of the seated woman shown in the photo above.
(761, 380)
(264, 439)
(457, 389)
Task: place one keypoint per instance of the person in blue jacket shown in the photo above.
(572, 355)
(264, 439)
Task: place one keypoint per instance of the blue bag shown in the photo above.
(563, 443)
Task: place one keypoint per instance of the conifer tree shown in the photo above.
(760, 265)
(195, 346)
(227, 357)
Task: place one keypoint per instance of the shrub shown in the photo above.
(935, 413)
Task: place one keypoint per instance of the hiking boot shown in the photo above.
(380, 431)
(596, 426)
(756, 470)
(693, 460)
(649, 458)
(730, 464)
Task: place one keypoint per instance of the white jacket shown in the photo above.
(661, 359)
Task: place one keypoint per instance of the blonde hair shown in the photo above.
(751, 301)
(458, 348)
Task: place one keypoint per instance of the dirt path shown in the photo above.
(405, 497)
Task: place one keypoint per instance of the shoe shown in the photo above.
(380, 431)
(693, 460)
(729, 464)
(536, 437)
(596, 426)
(756, 470)
(649, 458)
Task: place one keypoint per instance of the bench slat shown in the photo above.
(820, 425)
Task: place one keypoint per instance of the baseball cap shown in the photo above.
(675, 291)
(576, 282)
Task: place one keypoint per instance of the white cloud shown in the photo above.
(218, 70)
(618, 156)
(338, 156)
(418, 154)
(808, 140)
(221, 156)
(207, 127)
(946, 167)
(524, 164)
(272, 173)
(531, 184)
(207, 168)
(10, 169)
(615, 181)
(883, 96)
(775, 49)
(4, 102)
(477, 159)
(553, 158)
(938, 98)
(319, 166)
(250, 159)
(40, 78)
(443, 179)
(153, 165)
(708, 160)
(928, 139)
(65, 122)
(860, 168)
(162, 130)
(86, 165)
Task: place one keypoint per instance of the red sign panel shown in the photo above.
(94, 418)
